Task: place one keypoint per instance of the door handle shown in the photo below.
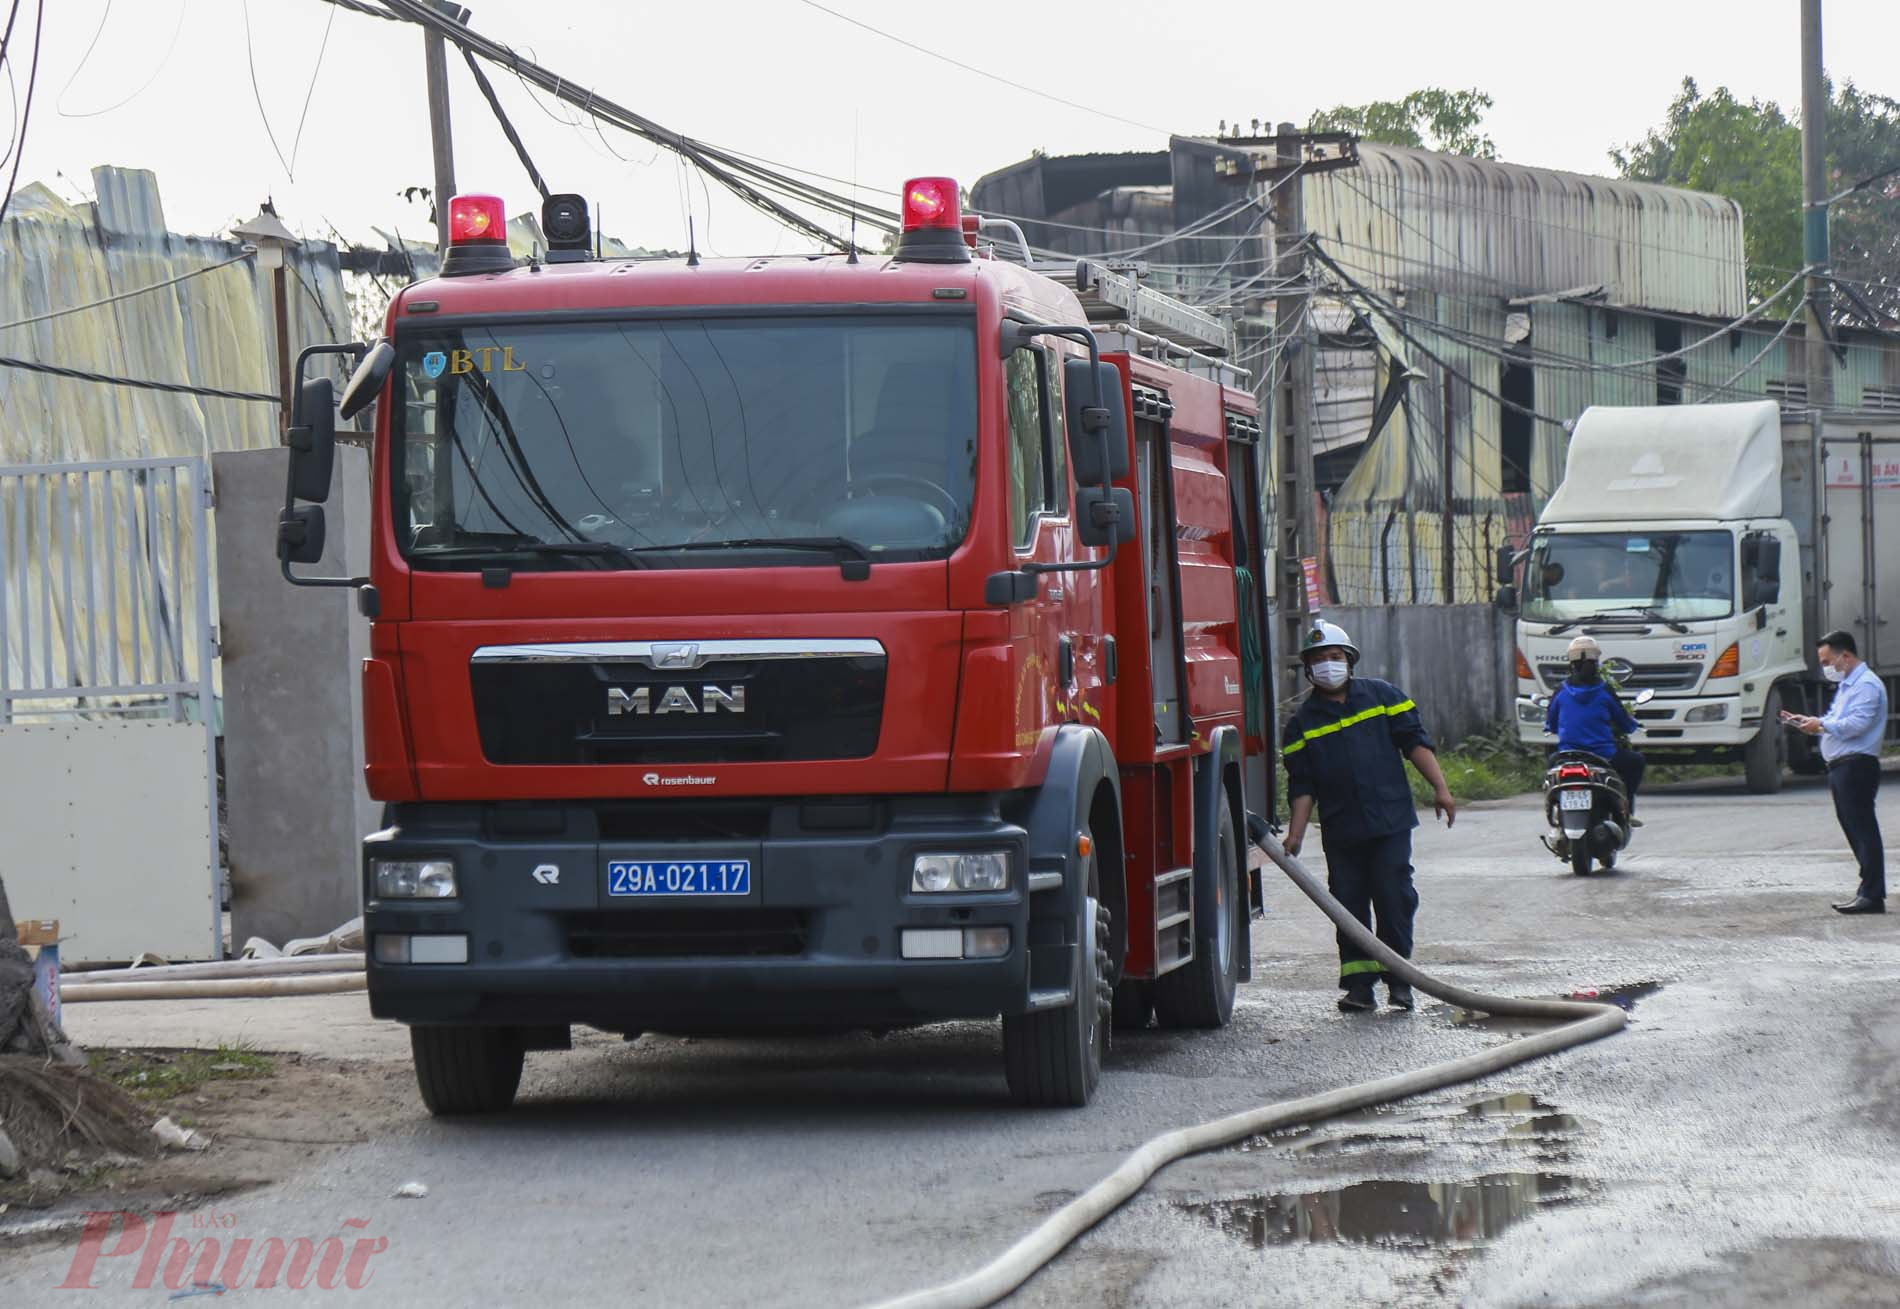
(1065, 661)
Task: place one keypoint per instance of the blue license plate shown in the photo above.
(635, 877)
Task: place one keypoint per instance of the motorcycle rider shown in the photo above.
(1587, 715)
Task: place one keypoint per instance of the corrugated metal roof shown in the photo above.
(1417, 218)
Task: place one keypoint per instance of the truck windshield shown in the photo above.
(684, 443)
(1677, 575)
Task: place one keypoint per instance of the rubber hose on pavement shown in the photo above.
(1581, 1022)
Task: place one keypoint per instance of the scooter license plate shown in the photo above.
(1575, 800)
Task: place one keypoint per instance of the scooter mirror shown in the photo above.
(1644, 697)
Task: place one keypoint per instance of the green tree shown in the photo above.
(1750, 151)
(1430, 119)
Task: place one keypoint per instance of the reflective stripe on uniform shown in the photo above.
(1354, 967)
(1363, 715)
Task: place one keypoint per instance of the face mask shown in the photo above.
(1329, 673)
(1833, 673)
(1584, 672)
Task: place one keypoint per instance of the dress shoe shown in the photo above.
(1862, 905)
(1399, 996)
(1635, 821)
(1359, 1000)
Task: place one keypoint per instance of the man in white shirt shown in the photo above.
(1852, 732)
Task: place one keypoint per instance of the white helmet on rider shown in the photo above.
(1584, 647)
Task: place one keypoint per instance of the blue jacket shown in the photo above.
(1350, 757)
(1587, 718)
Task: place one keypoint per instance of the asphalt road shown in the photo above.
(1736, 1145)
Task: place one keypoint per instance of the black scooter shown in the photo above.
(1586, 805)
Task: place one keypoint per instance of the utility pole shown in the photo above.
(1293, 404)
(1281, 161)
(1814, 240)
(436, 60)
(1447, 524)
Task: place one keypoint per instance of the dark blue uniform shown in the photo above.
(1349, 755)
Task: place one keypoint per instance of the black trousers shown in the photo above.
(1855, 781)
(1629, 766)
(1373, 879)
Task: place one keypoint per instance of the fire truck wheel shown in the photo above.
(466, 1070)
(1053, 1057)
(1200, 993)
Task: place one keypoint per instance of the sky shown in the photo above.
(231, 101)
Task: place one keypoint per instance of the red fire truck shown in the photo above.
(795, 642)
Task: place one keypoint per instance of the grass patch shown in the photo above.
(157, 1076)
(1491, 765)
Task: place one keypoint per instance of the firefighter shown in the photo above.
(1345, 750)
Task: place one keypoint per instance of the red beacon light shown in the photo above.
(478, 236)
(932, 223)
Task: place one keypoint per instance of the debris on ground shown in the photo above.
(173, 1137)
(52, 1110)
(412, 1191)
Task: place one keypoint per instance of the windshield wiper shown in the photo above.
(1643, 612)
(519, 549)
(849, 552)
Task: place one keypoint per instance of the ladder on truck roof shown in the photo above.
(1152, 323)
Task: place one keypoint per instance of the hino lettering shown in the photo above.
(674, 700)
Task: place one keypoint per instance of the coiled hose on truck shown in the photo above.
(1581, 1022)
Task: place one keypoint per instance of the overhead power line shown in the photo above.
(507, 128)
(983, 72)
(143, 384)
(26, 111)
(127, 295)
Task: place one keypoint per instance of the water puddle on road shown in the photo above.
(1535, 1118)
(1393, 1213)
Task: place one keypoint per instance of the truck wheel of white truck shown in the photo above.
(466, 1070)
(1761, 757)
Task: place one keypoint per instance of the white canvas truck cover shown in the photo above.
(1671, 462)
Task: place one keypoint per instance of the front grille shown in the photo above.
(771, 710)
(687, 934)
(1643, 677)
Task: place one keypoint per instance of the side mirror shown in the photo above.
(300, 535)
(366, 383)
(1506, 565)
(1644, 696)
(1087, 424)
(312, 439)
(1506, 599)
(1104, 517)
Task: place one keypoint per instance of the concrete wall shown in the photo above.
(1455, 660)
(293, 738)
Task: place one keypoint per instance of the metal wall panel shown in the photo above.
(94, 814)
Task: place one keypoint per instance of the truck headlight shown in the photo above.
(415, 879)
(1706, 713)
(986, 870)
(1528, 712)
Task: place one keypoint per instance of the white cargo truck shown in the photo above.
(1707, 548)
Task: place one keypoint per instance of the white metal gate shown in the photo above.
(108, 708)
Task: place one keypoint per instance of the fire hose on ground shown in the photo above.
(1582, 1022)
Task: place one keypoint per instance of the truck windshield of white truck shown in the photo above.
(641, 442)
(1674, 576)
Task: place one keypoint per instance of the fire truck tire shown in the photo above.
(466, 1070)
(1761, 757)
(1053, 1057)
(1200, 993)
